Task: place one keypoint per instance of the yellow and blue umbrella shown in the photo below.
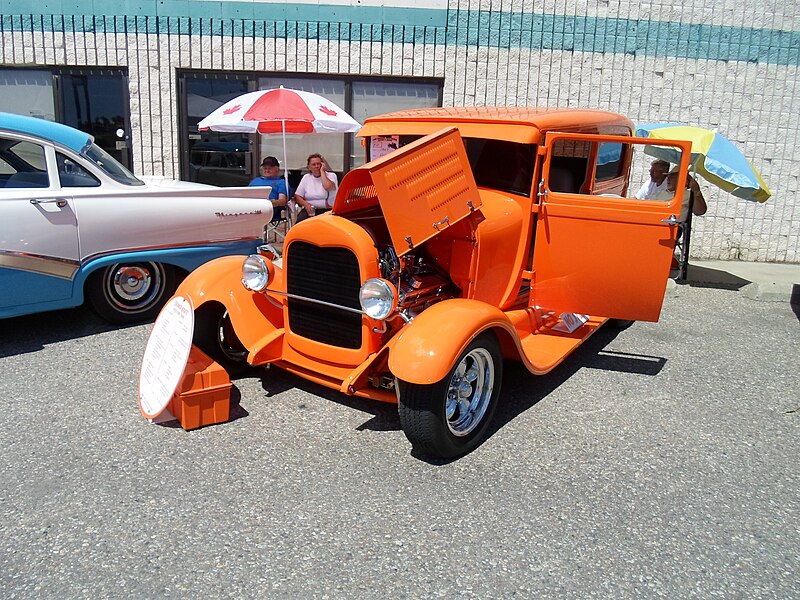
(714, 157)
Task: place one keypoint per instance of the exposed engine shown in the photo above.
(419, 283)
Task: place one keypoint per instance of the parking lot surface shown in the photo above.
(659, 461)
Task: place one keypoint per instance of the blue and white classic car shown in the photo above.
(75, 224)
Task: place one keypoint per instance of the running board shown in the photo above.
(546, 348)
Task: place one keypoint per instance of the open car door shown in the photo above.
(596, 252)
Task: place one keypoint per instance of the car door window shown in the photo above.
(569, 164)
(588, 167)
(609, 161)
(6, 169)
(24, 165)
(71, 174)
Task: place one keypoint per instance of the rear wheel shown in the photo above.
(130, 292)
(449, 418)
(620, 323)
(214, 335)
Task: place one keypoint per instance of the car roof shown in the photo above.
(523, 124)
(57, 132)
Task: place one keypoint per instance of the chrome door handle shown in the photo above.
(59, 202)
(671, 221)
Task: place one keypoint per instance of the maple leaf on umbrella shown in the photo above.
(232, 109)
(327, 111)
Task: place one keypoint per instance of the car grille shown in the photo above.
(327, 274)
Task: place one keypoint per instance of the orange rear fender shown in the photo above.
(428, 347)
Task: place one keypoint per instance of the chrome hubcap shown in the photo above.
(131, 282)
(469, 392)
(134, 287)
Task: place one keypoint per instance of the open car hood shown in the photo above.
(422, 188)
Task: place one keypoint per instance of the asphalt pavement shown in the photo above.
(658, 461)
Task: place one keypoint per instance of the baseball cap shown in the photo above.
(270, 161)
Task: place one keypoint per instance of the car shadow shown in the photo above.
(383, 415)
(31, 333)
(521, 390)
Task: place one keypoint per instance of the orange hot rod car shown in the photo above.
(487, 234)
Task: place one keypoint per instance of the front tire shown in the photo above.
(214, 335)
(126, 293)
(449, 418)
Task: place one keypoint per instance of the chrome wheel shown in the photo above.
(450, 417)
(134, 287)
(469, 392)
(130, 292)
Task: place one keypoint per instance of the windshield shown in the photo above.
(502, 165)
(496, 164)
(110, 166)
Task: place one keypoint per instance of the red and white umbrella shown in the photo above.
(280, 111)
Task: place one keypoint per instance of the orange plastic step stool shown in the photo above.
(203, 396)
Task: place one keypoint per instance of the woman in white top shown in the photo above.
(317, 189)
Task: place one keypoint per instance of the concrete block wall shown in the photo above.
(728, 64)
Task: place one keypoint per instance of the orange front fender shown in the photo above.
(428, 347)
(213, 280)
(253, 316)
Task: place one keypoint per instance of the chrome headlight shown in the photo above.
(378, 298)
(255, 273)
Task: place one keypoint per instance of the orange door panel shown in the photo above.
(601, 255)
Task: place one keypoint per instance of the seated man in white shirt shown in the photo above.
(657, 182)
(698, 208)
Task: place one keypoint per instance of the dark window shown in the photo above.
(502, 165)
(568, 165)
(200, 93)
(211, 157)
(92, 99)
(71, 174)
(97, 102)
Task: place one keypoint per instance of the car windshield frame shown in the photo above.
(109, 165)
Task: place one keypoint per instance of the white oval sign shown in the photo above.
(165, 356)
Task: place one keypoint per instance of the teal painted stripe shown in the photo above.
(418, 26)
(609, 35)
(231, 9)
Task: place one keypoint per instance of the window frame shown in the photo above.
(253, 78)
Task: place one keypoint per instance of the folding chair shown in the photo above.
(682, 245)
(275, 231)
